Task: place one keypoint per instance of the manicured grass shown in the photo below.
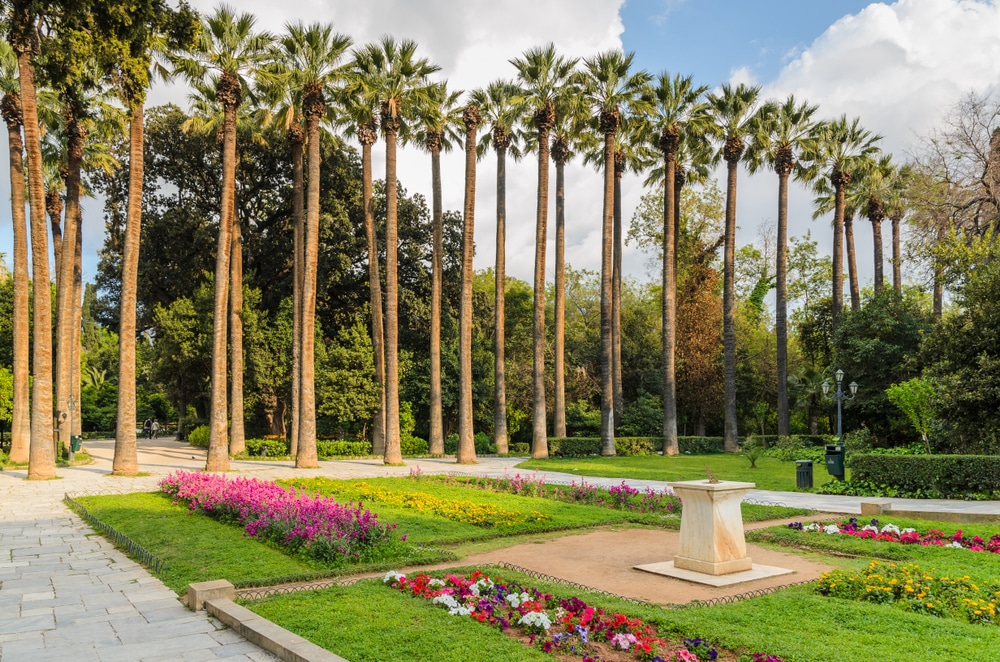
(197, 548)
(369, 622)
(770, 474)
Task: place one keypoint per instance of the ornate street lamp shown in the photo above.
(840, 396)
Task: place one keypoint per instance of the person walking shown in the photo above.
(147, 426)
(154, 429)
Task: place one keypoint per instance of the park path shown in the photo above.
(66, 593)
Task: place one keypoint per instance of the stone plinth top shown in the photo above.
(722, 485)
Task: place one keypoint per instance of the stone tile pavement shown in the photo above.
(67, 593)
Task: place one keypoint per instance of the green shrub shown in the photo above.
(701, 445)
(799, 440)
(484, 445)
(638, 445)
(949, 475)
(582, 419)
(411, 445)
(520, 448)
(340, 448)
(266, 447)
(199, 436)
(582, 446)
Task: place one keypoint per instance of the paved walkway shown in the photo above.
(66, 593)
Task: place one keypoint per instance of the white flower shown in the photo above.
(446, 600)
(955, 544)
(538, 619)
(907, 530)
(891, 528)
(869, 527)
(436, 582)
(392, 576)
(811, 527)
(515, 600)
(831, 529)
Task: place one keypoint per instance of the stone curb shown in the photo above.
(272, 638)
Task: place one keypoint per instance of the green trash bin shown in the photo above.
(803, 473)
(835, 461)
(75, 443)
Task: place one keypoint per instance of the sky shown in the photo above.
(896, 65)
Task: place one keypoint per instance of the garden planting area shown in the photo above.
(464, 568)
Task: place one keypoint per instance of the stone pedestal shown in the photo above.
(711, 540)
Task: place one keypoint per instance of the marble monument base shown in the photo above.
(754, 572)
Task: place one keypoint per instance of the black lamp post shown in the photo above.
(840, 396)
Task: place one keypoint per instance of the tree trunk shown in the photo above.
(938, 297)
(559, 404)
(607, 294)
(75, 136)
(813, 415)
(499, 317)
(729, 309)
(313, 108)
(54, 209)
(669, 300)
(237, 441)
(218, 442)
(393, 454)
(877, 253)
(295, 139)
(618, 400)
(840, 182)
(436, 441)
(539, 440)
(41, 457)
(21, 415)
(897, 255)
(74, 382)
(852, 262)
(781, 302)
(368, 137)
(466, 453)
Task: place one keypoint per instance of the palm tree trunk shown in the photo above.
(313, 107)
(218, 442)
(393, 454)
(76, 135)
(839, 181)
(237, 442)
(539, 440)
(607, 257)
(21, 414)
(295, 139)
(466, 453)
(781, 302)
(616, 295)
(54, 209)
(897, 256)
(669, 299)
(559, 367)
(729, 309)
(499, 316)
(41, 457)
(75, 390)
(877, 253)
(375, 289)
(436, 441)
(852, 262)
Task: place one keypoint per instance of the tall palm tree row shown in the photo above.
(501, 106)
(610, 87)
(543, 74)
(734, 110)
(785, 131)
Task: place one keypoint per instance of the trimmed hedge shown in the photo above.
(625, 446)
(951, 475)
(199, 436)
(267, 447)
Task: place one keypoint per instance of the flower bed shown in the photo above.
(619, 497)
(568, 629)
(318, 527)
(913, 589)
(892, 533)
(481, 515)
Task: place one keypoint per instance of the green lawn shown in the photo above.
(770, 473)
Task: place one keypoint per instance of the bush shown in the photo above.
(411, 445)
(626, 446)
(701, 445)
(266, 447)
(199, 436)
(484, 445)
(582, 419)
(520, 448)
(342, 448)
(950, 475)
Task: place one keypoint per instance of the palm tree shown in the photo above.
(24, 41)
(542, 74)
(228, 46)
(397, 81)
(786, 131)
(500, 104)
(466, 453)
(896, 208)
(10, 108)
(824, 203)
(360, 119)
(610, 88)
(734, 111)
(568, 130)
(678, 109)
(875, 186)
(841, 146)
(437, 130)
(316, 51)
